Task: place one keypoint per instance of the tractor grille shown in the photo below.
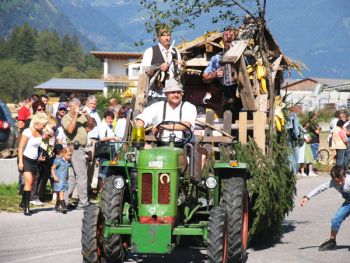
(146, 197)
(163, 189)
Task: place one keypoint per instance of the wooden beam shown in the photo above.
(141, 93)
(242, 128)
(245, 88)
(259, 121)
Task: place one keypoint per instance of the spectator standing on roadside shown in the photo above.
(347, 152)
(337, 116)
(305, 157)
(93, 136)
(37, 107)
(28, 156)
(45, 99)
(340, 182)
(106, 135)
(339, 142)
(73, 124)
(22, 115)
(59, 172)
(121, 123)
(63, 99)
(293, 135)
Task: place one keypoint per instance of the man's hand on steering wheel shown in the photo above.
(171, 126)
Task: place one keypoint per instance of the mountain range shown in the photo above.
(315, 32)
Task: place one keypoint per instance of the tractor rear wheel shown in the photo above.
(217, 235)
(235, 199)
(112, 208)
(92, 235)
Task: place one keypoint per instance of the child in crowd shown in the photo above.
(341, 182)
(55, 153)
(59, 172)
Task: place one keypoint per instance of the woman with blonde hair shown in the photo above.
(28, 156)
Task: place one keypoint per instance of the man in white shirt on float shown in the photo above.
(162, 61)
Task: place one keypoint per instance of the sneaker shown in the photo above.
(312, 174)
(330, 244)
(36, 202)
(303, 174)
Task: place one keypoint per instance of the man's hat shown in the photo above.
(172, 85)
(62, 105)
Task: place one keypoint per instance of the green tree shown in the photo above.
(21, 44)
(49, 49)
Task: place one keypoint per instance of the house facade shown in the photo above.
(120, 69)
(318, 93)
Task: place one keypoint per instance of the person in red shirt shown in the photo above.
(25, 111)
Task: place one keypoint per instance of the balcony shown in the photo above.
(115, 78)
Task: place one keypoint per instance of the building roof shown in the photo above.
(326, 82)
(72, 84)
(116, 55)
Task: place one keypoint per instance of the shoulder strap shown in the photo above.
(164, 111)
(182, 103)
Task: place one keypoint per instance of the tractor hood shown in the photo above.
(165, 157)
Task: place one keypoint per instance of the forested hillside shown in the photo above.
(29, 57)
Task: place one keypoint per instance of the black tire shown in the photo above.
(323, 156)
(92, 236)
(112, 208)
(235, 199)
(217, 235)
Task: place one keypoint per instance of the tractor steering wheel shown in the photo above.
(186, 134)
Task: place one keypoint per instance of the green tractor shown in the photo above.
(152, 197)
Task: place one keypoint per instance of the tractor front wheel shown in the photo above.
(92, 235)
(217, 235)
(112, 208)
(235, 199)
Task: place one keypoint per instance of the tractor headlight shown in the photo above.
(119, 182)
(211, 182)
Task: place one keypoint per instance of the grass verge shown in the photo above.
(9, 198)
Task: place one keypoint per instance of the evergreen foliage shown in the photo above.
(271, 189)
(29, 57)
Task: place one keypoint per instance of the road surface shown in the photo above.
(48, 237)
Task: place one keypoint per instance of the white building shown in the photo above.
(318, 92)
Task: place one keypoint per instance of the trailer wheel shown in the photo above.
(217, 235)
(92, 235)
(235, 199)
(112, 208)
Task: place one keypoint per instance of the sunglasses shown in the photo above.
(39, 109)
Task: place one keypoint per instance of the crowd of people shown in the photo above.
(56, 145)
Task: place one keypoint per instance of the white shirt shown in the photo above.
(120, 128)
(105, 131)
(167, 55)
(33, 144)
(95, 131)
(153, 115)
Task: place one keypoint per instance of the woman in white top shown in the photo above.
(28, 150)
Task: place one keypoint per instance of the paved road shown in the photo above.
(48, 237)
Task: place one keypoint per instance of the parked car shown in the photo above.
(8, 129)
